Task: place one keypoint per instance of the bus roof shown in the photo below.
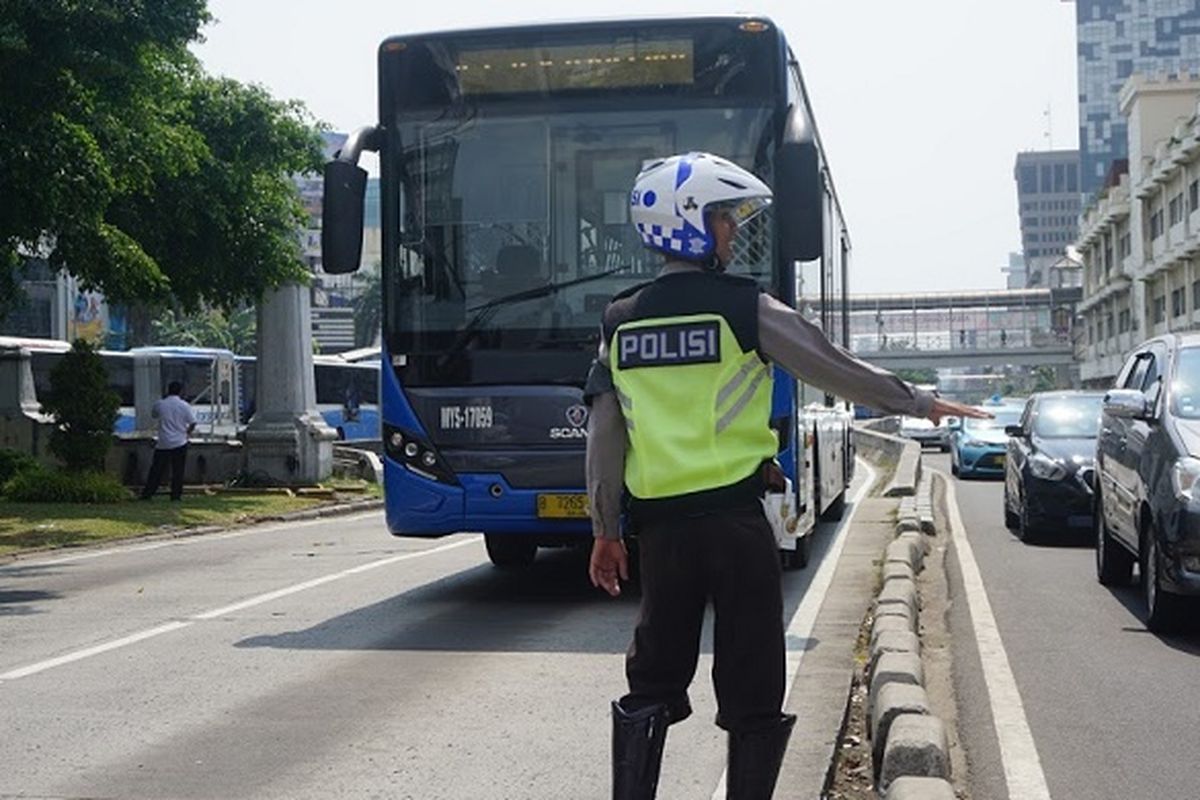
(588, 22)
(184, 352)
(31, 343)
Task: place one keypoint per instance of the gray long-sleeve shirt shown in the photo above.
(785, 338)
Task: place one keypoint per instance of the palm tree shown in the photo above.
(368, 307)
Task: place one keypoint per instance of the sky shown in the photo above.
(922, 106)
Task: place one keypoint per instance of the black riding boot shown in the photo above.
(638, 739)
(755, 757)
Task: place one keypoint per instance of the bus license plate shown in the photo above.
(562, 506)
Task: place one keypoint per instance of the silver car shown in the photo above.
(923, 431)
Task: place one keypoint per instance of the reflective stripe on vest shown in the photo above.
(697, 407)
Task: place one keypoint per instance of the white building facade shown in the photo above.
(1140, 241)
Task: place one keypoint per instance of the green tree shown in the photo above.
(368, 307)
(130, 168)
(919, 375)
(231, 330)
(84, 408)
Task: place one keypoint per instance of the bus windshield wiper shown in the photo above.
(541, 291)
(484, 311)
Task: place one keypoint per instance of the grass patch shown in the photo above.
(41, 526)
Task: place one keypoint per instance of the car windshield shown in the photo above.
(1069, 417)
(1185, 389)
(1002, 416)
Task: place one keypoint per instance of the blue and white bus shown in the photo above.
(507, 157)
(347, 394)
(141, 376)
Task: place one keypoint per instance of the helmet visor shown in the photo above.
(743, 209)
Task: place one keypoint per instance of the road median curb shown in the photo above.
(910, 753)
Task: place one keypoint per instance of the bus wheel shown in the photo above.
(798, 558)
(510, 551)
(836, 510)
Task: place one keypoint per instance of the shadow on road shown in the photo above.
(1185, 640)
(548, 607)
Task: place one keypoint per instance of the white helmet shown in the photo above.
(670, 197)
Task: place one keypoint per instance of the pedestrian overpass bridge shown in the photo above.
(1027, 327)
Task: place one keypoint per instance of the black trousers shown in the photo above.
(731, 559)
(175, 457)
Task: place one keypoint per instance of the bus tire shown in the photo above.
(798, 558)
(836, 510)
(510, 551)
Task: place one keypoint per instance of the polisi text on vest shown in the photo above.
(669, 345)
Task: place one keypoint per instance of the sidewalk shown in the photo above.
(819, 695)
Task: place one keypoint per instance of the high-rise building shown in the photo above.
(1014, 273)
(1117, 38)
(1048, 200)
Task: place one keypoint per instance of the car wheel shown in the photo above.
(1114, 564)
(1027, 531)
(1163, 612)
(1011, 521)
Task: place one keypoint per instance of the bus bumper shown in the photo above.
(484, 503)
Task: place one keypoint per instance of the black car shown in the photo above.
(1048, 468)
(1148, 476)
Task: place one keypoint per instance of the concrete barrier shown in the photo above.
(883, 448)
(907, 740)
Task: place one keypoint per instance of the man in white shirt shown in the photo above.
(176, 421)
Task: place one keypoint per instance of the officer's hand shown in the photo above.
(947, 408)
(609, 561)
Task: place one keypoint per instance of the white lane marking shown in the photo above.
(117, 549)
(1022, 765)
(169, 627)
(300, 587)
(801, 625)
(41, 666)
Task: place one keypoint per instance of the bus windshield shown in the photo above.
(512, 189)
(514, 204)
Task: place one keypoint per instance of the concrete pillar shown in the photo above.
(17, 394)
(22, 425)
(286, 439)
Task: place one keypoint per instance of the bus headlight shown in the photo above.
(416, 454)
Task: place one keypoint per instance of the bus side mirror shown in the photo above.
(342, 217)
(799, 192)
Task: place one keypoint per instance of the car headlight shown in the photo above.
(1184, 475)
(1046, 468)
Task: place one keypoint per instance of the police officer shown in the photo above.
(681, 399)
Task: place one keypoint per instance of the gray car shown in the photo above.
(1148, 477)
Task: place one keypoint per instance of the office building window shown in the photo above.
(1112, 329)
(1196, 294)
(1123, 320)
(1156, 224)
(1028, 179)
(1160, 309)
(1193, 196)
(1175, 209)
(1047, 182)
(1178, 306)
(1124, 246)
(1072, 177)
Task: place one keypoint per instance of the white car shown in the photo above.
(925, 432)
